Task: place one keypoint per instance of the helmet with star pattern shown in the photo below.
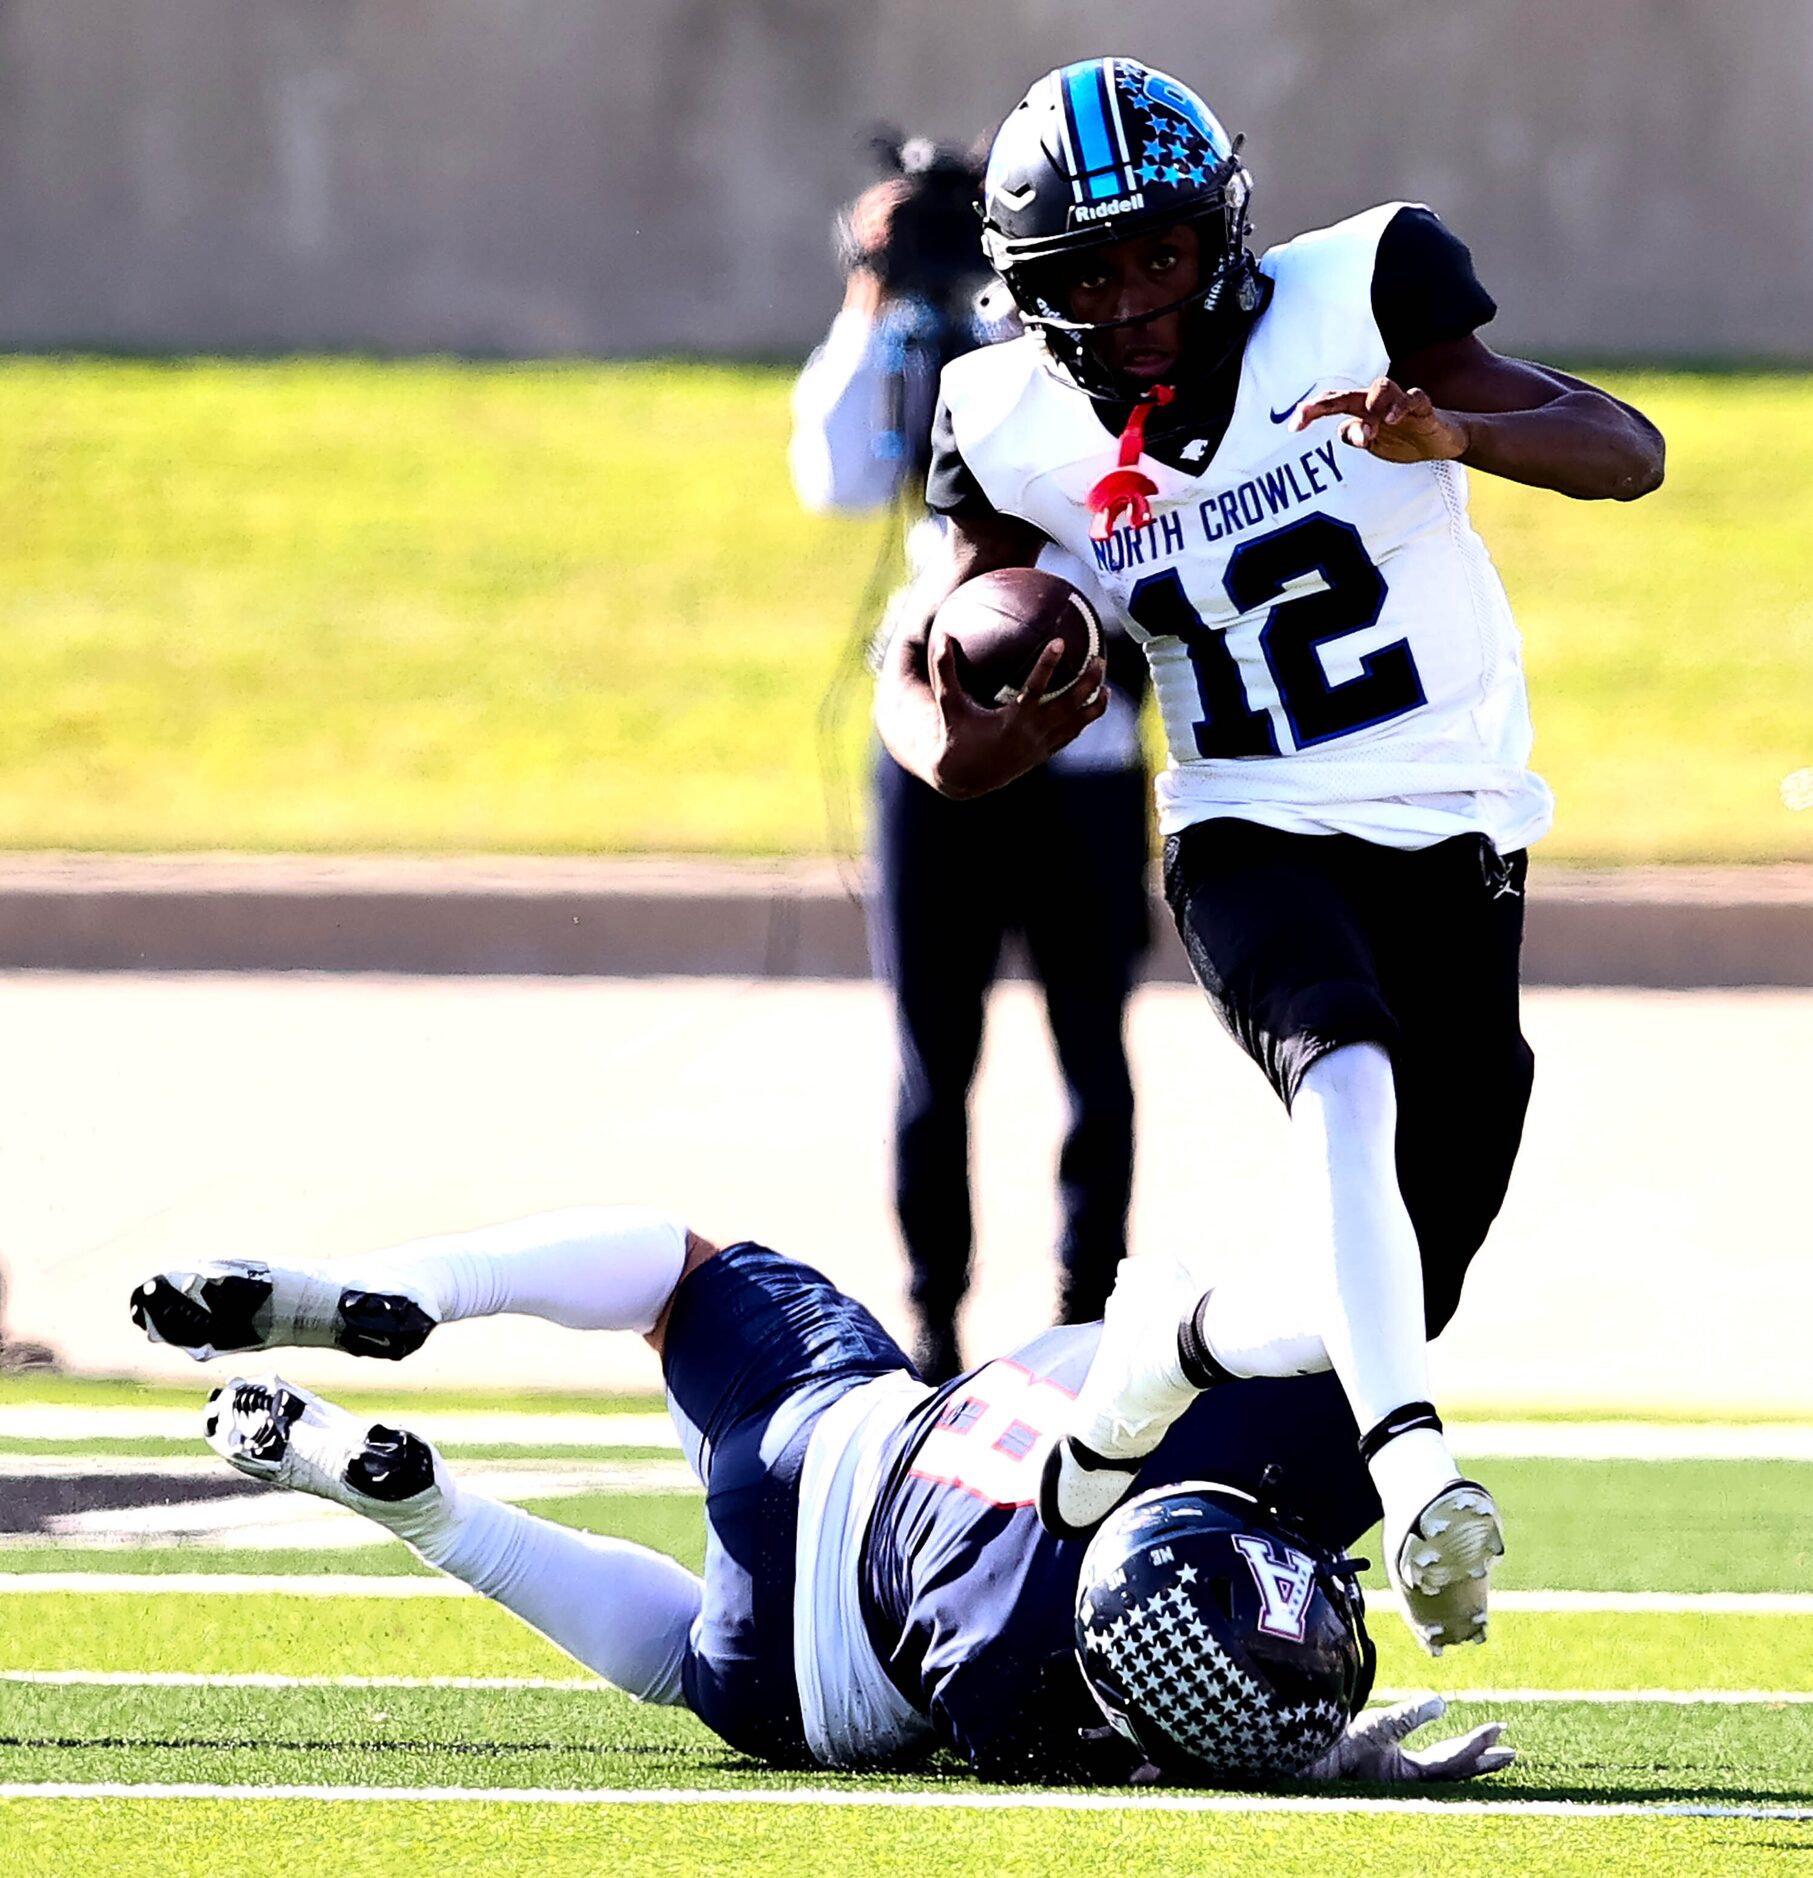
(1099, 152)
(1217, 1638)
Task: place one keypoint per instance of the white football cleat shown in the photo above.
(1136, 1388)
(230, 1305)
(1441, 1567)
(275, 1432)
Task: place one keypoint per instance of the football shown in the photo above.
(999, 623)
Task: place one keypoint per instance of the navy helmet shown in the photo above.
(1218, 1639)
(1096, 153)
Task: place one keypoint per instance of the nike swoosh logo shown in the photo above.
(1278, 417)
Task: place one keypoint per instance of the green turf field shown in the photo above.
(340, 605)
(1674, 1739)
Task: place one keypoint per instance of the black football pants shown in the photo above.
(1304, 943)
(1059, 858)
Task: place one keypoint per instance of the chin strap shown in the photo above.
(1126, 487)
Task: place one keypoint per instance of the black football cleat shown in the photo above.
(230, 1305)
(275, 1432)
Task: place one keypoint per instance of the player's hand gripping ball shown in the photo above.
(999, 623)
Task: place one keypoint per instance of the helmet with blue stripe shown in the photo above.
(1096, 153)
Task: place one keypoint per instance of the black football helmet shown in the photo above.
(1220, 1641)
(1093, 154)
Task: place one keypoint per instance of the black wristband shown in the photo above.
(1200, 1368)
(1399, 1422)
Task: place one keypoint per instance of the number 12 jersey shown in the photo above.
(1331, 647)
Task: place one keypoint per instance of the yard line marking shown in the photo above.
(260, 1679)
(591, 1685)
(229, 1584)
(1613, 1698)
(1035, 1801)
(43, 1421)
(1633, 1441)
(1484, 1440)
(1633, 1603)
(355, 1585)
(547, 1479)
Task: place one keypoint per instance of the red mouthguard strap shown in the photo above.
(1124, 490)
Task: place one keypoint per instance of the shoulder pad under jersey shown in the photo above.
(1014, 420)
(1323, 283)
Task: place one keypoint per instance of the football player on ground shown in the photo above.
(877, 1582)
(1264, 461)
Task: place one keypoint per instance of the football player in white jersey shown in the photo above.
(1264, 461)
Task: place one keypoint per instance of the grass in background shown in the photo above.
(338, 605)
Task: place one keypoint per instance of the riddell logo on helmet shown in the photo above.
(1097, 211)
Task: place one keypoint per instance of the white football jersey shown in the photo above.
(1331, 646)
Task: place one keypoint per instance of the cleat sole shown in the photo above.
(1078, 1489)
(217, 1313)
(1442, 1587)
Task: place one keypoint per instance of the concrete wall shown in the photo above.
(634, 176)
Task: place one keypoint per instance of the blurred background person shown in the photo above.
(19, 1353)
(1059, 858)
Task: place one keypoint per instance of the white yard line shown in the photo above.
(526, 1479)
(1633, 1441)
(588, 1685)
(353, 1585)
(190, 1679)
(1594, 1440)
(895, 1800)
(1617, 1698)
(228, 1584)
(273, 1521)
(32, 1421)
(1667, 1603)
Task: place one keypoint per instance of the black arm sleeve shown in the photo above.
(950, 485)
(1424, 289)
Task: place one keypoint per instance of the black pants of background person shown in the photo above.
(1059, 858)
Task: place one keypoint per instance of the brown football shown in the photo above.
(999, 623)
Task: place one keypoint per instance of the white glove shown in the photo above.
(1372, 1748)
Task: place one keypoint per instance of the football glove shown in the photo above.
(1373, 1748)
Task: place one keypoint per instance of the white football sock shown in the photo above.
(1358, 1305)
(624, 1611)
(1409, 1471)
(1344, 1122)
(589, 1268)
(1256, 1326)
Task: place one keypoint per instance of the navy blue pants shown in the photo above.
(1059, 858)
(757, 1348)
